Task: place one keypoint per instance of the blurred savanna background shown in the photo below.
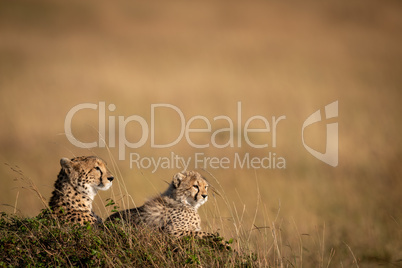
(204, 57)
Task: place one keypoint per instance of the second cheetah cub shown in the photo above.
(174, 211)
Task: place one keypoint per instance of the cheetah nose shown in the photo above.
(204, 195)
(110, 178)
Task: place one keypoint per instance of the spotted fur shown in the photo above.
(174, 211)
(77, 184)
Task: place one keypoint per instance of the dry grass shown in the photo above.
(204, 57)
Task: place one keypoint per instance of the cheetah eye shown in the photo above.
(195, 186)
(98, 169)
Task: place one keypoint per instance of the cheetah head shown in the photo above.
(189, 188)
(87, 174)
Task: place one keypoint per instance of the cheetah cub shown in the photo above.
(174, 211)
(77, 184)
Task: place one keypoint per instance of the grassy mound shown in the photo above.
(44, 241)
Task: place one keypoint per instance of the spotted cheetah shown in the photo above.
(175, 210)
(77, 184)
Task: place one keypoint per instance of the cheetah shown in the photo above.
(76, 186)
(175, 210)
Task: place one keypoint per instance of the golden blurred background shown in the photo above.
(204, 57)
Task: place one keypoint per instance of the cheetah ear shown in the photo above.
(65, 163)
(177, 179)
